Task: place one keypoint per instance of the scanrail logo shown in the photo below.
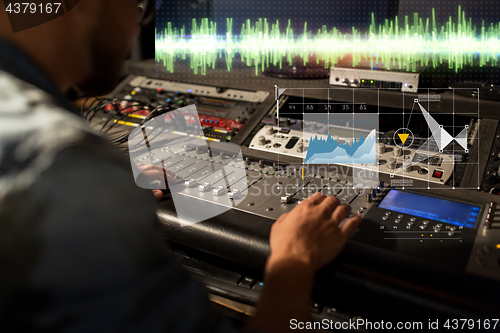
(26, 15)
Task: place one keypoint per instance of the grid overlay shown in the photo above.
(353, 103)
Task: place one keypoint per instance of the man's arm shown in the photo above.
(302, 242)
(101, 264)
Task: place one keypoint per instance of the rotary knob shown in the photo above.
(270, 130)
(398, 152)
(300, 147)
(262, 140)
(381, 148)
(391, 164)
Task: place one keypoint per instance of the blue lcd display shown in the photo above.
(457, 213)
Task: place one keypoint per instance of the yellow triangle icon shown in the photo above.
(403, 137)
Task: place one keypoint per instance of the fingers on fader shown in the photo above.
(168, 172)
(341, 213)
(350, 225)
(317, 198)
(328, 205)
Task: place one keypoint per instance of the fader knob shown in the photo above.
(391, 164)
(381, 148)
(368, 198)
(262, 140)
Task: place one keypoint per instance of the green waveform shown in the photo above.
(395, 43)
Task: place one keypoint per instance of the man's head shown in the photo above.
(86, 47)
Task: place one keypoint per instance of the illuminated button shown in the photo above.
(425, 222)
(437, 174)
(413, 219)
(385, 218)
(397, 220)
(451, 233)
(411, 224)
(439, 225)
(453, 228)
(400, 216)
(423, 227)
(388, 213)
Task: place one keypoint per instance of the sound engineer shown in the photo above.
(80, 248)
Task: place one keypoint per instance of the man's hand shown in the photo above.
(302, 241)
(151, 173)
(310, 233)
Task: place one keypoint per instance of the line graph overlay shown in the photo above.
(350, 138)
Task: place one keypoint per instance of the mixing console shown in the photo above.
(266, 176)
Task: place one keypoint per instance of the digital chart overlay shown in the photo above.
(421, 150)
(351, 139)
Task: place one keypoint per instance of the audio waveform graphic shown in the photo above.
(323, 151)
(397, 42)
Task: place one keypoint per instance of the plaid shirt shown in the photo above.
(80, 248)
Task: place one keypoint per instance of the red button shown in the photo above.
(437, 174)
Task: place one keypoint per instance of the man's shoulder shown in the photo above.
(26, 109)
(34, 130)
